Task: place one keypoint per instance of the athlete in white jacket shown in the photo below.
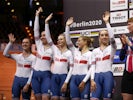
(24, 63)
(41, 75)
(63, 60)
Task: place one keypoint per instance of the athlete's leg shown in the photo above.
(36, 85)
(16, 89)
(45, 85)
(108, 85)
(45, 97)
(63, 98)
(25, 95)
(74, 91)
(85, 94)
(62, 79)
(96, 94)
(55, 88)
(38, 97)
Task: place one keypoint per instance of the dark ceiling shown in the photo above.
(17, 17)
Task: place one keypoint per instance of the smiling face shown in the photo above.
(26, 44)
(61, 40)
(104, 37)
(43, 37)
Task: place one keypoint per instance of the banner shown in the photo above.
(118, 4)
(88, 15)
(118, 69)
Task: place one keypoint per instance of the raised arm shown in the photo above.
(67, 34)
(36, 25)
(47, 31)
(106, 16)
(11, 41)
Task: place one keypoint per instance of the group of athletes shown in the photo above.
(77, 73)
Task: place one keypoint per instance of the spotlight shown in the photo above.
(26, 28)
(37, 3)
(28, 31)
(30, 23)
(30, 34)
(8, 3)
(12, 10)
